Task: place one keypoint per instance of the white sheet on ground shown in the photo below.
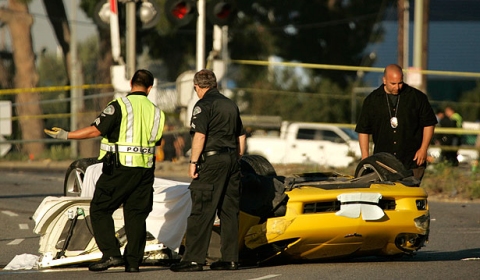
(171, 206)
(23, 261)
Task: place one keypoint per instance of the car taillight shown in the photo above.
(421, 204)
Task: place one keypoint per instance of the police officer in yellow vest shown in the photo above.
(131, 127)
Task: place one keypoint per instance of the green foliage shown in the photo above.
(327, 103)
(15, 155)
(315, 31)
(52, 73)
(57, 153)
(325, 32)
(469, 104)
(88, 53)
(51, 70)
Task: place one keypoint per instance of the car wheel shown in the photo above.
(258, 165)
(72, 185)
(385, 165)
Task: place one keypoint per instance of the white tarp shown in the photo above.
(171, 199)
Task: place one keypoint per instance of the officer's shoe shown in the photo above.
(131, 269)
(184, 266)
(104, 264)
(219, 265)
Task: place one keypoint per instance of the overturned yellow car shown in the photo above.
(379, 211)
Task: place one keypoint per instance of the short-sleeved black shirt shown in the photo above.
(414, 113)
(218, 118)
(108, 122)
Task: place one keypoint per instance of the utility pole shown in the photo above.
(130, 39)
(201, 20)
(403, 32)
(425, 25)
(76, 80)
(420, 49)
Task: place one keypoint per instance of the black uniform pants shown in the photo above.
(217, 189)
(132, 187)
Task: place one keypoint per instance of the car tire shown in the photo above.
(72, 185)
(257, 164)
(387, 167)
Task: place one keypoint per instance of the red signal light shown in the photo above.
(221, 12)
(180, 12)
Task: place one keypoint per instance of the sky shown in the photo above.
(42, 32)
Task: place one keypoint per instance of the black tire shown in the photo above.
(72, 185)
(387, 167)
(258, 165)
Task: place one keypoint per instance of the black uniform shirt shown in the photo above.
(218, 118)
(414, 113)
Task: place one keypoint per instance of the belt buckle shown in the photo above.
(212, 153)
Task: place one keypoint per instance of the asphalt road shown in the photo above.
(453, 251)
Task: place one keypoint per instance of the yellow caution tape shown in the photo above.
(50, 89)
(352, 68)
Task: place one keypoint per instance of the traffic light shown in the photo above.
(147, 14)
(221, 12)
(181, 12)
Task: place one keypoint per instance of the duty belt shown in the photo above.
(128, 149)
(216, 152)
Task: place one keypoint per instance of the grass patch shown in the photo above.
(54, 152)
(57, 152)
(445, 180)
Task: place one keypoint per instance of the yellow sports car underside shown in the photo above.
(328, 215)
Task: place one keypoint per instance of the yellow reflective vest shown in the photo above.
(141, 127)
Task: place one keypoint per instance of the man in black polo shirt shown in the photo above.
(400, 120)
(217, 145)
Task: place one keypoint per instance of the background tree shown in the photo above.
(327, 32)
(105, 58)
(318, 32)
(469, 104)
(313, 31)
(58, 18)
(101, 68)
(19, 22)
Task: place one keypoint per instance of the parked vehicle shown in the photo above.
(312, 216)
(299, 142)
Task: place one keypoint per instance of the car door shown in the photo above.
(319, 145)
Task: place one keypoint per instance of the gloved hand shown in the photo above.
(57, 133)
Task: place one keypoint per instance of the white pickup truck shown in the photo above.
(308, 143)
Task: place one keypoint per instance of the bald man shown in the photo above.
(400, 120)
